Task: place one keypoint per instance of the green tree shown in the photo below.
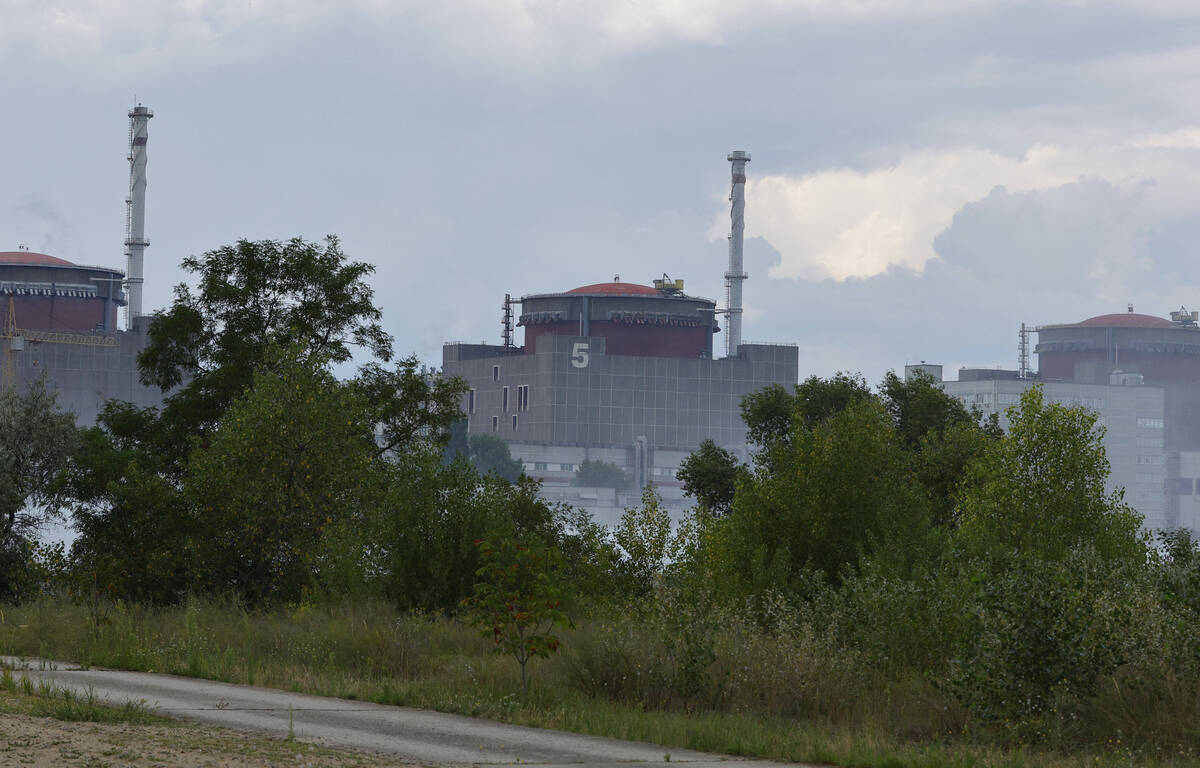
(768, 415)
(289, 458)
(132, 521)
(36, 442)
(250, 297)
(595, 473)
(490, 454)
(710, 475)
(644, 536)
(517, 602)
(1041, 488)
(840, 491)
(940, 432)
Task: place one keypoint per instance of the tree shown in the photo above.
(709, 475)
(414, 409)
(919, 407)
(840, 491)
(36, 441)
(517, 602)
(819, 399)
(490, 454)
(252, 296)
(940, 432)
(1040, 488)
(767, 415)
(594, 473)
(644, 536)
(290, 458)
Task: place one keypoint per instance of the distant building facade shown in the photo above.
(614, 372)
(59, 320)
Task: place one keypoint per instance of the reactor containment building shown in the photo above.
(622, 373)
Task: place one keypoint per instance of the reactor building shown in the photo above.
(62, 320)
(1141, 375)
(621, 373)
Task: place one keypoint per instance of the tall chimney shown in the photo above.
(135, 211)
(735, 275)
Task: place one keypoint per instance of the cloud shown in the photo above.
(1042, 256)
(842, 223)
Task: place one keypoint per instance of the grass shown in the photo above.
(61, 703)
(815, 712)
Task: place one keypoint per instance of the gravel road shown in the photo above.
(423, 736)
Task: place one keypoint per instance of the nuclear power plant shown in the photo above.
(1141, 375)
(62, 320)
(622, 373)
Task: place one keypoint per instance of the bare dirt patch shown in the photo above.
(37, 742)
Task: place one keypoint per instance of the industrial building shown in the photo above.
(61, 320)
(1141, 375)
(623, 373)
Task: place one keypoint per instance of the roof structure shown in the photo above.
(616, 289)
(1128, 320)
(29, 257)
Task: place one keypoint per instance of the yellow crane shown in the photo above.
(16, 337)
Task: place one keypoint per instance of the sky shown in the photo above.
(926, 176)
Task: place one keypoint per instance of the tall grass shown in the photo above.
(665, 673)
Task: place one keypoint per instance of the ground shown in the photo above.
(26, 740)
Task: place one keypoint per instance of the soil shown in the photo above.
(38, 742)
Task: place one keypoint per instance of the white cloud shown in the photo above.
(844, 223)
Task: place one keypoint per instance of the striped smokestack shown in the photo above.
(735, 275)
(135, 211)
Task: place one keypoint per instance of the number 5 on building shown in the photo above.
(579, 354)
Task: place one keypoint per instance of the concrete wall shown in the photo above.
(86, 376)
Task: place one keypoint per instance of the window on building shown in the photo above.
(470, 401)
(539, 466)
(495, 373)
(1152, 460)
(495, 423)
(514, 422)
(505, 398)
(566, 467)
(1150, 423)
(1150, 442)
(523, 397)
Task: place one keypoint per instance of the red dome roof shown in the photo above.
(617, 289)
(29, 257)
(1128, 320)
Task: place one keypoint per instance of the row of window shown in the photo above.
(522, 399)
(1152, 460)
(496, 423)
(1150, 423)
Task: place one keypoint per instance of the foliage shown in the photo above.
(1044, 633)
(644, 536)
(1040, 489)
(839, 491)
(490, 454)
(517, 602)
(132, 520)
(251, 297)
(595, 473)
(710, 475)
(413, 409)
(289, 457)
(36, 441)
(767, 415)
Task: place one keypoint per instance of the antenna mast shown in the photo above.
(1023, 353)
